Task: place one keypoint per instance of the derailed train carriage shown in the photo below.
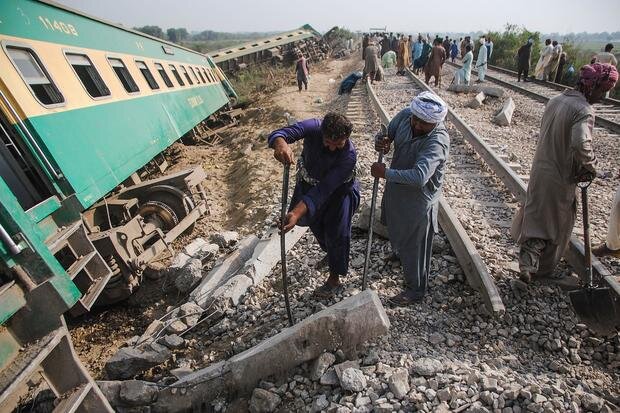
(84, 106)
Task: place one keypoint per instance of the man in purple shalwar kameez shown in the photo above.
(326, 193)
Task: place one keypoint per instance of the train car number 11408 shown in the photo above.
(58, 26)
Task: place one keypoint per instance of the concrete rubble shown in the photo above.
(224, 285)
(344, 326)
(363, 220)
(504, 116)
(225, 239)
(492, 91)
(129, 361)
(477, 101)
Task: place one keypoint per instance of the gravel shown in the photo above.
(448, 350)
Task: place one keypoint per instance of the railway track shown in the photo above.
(518, 143)
(607, 112)
(469, 184)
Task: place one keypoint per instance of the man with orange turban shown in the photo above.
(564, 156)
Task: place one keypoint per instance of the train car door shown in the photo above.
(18, 169)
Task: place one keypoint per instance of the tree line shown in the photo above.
(181, 34)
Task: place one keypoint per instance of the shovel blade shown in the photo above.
(596, 308)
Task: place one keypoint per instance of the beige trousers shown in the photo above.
(613, 228)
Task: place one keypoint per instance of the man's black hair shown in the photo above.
(468, 47)
(608, 47)
(336, 126)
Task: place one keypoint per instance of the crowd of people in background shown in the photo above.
(425, 54)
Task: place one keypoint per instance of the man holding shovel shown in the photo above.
(413, 187)
(326, 191)
(564, 157)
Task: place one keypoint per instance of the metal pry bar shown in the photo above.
(285, 181)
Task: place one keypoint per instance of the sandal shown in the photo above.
(328, 291)
(403, 300)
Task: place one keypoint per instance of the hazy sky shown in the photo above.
(434, 16)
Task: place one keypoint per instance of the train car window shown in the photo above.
(213, 75)
(176, 74)
(35, 76)
(148, 76)
(191, 69)
(201, 76)
(123, 75)
(189, 79)
(88, 74)
(207, 75)
(210, 72)
(163, 75)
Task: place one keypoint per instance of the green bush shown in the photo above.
(507, 43)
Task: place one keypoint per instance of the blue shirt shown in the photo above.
(333, 169)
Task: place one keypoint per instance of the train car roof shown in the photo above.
(301, 33)
(106, 22)
(48, 21)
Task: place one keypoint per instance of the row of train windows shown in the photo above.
(37, 78)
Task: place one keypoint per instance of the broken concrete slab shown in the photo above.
(223, 270)
(201, 249)
(187, 276)
(137, 392)
(363, 220)
(399, 383)
(230, 293)
(172, 341)
(320, 365)
(488, 90)
(263, 401)
(111, 390)
(129, 361)
(353, 380)
(190, 313)
(176, 327)
(504, 116)
(267, 253)
(477, 101)
(339, 368)
(345, 325)
(149, 334)
(225, 239)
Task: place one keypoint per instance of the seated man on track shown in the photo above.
(413, 186)
(326, 193)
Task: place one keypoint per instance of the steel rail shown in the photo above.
(552, 85)
(598, 120)
(575, 254)
(476, 271)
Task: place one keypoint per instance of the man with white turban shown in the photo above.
(413, 186)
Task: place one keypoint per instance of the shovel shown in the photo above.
(595, 306)
(285, 179)
(373, 204)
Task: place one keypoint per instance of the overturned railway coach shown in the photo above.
(84, 105)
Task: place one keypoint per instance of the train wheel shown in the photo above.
(168, 205)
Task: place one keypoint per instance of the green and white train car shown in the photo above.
(84, 105)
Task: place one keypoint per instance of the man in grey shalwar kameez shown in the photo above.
(564, 156)
(413, 187)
